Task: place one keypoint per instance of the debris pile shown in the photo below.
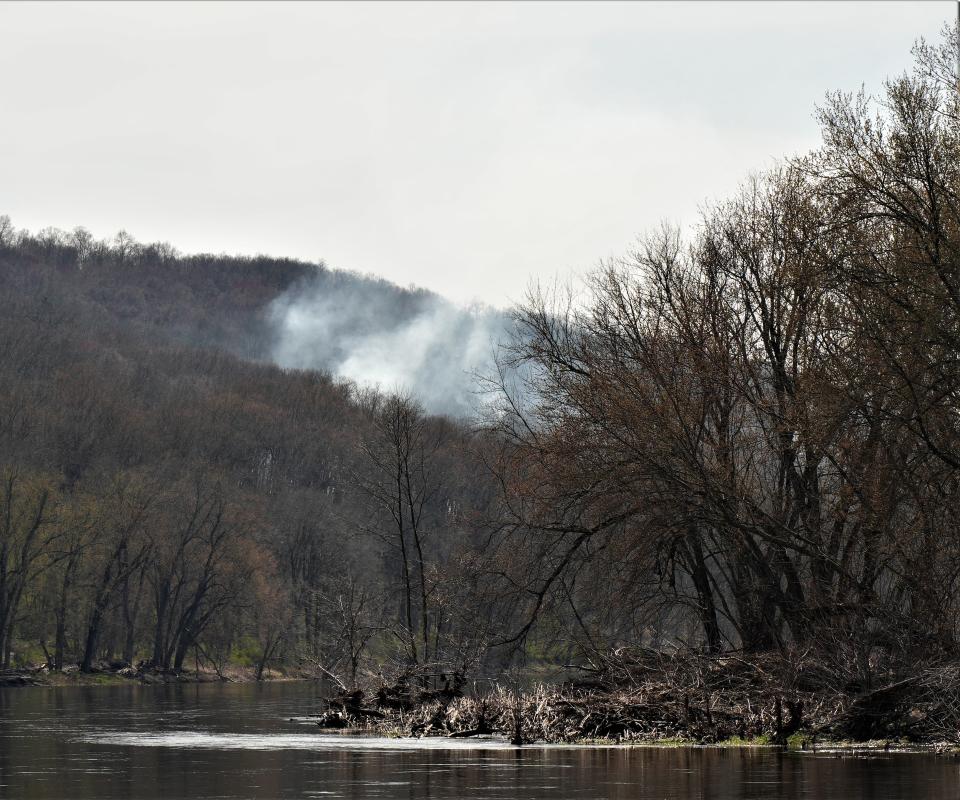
(648, 696)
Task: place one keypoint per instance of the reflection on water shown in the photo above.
(288, 741)
(215, 741)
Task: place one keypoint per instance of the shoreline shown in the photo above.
(838, 748)
(654, 715)
(25, 678)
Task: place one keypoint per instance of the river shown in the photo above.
(244, 741)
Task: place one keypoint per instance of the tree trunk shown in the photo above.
(130, 616)
(707, 607)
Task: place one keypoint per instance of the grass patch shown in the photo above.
(799, 741)
(738, 741)
(672, 742)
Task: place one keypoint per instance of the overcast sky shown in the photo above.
(462, 147)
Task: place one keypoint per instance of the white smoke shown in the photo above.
(376, 334)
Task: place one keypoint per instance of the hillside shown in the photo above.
(170, 489)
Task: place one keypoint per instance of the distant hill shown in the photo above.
(293, 313)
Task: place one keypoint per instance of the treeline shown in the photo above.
(204, 300)
(749, 438)
(165, 502)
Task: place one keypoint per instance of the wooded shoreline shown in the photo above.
(106, 676)
(672, 701)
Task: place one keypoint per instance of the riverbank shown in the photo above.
(652, 699)
(106, 676)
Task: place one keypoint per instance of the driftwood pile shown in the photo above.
(13, 677)
(924, 707)
(654, 697)
(565, 714)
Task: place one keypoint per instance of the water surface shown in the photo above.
(229, 741)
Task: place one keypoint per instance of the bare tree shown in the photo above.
(25, 504)
(401, 480)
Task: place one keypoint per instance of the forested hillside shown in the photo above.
(166, 493)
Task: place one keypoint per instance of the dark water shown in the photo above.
(216, 741)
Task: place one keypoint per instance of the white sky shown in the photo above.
(463, 147)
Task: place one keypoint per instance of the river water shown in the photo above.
(244, 741)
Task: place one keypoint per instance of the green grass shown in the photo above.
(799, 741)
(84, 679)
(738, 741)
(671, 742)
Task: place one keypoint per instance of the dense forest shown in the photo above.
(168, 494)
(743, 438)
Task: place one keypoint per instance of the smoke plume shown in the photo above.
(376, 334)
